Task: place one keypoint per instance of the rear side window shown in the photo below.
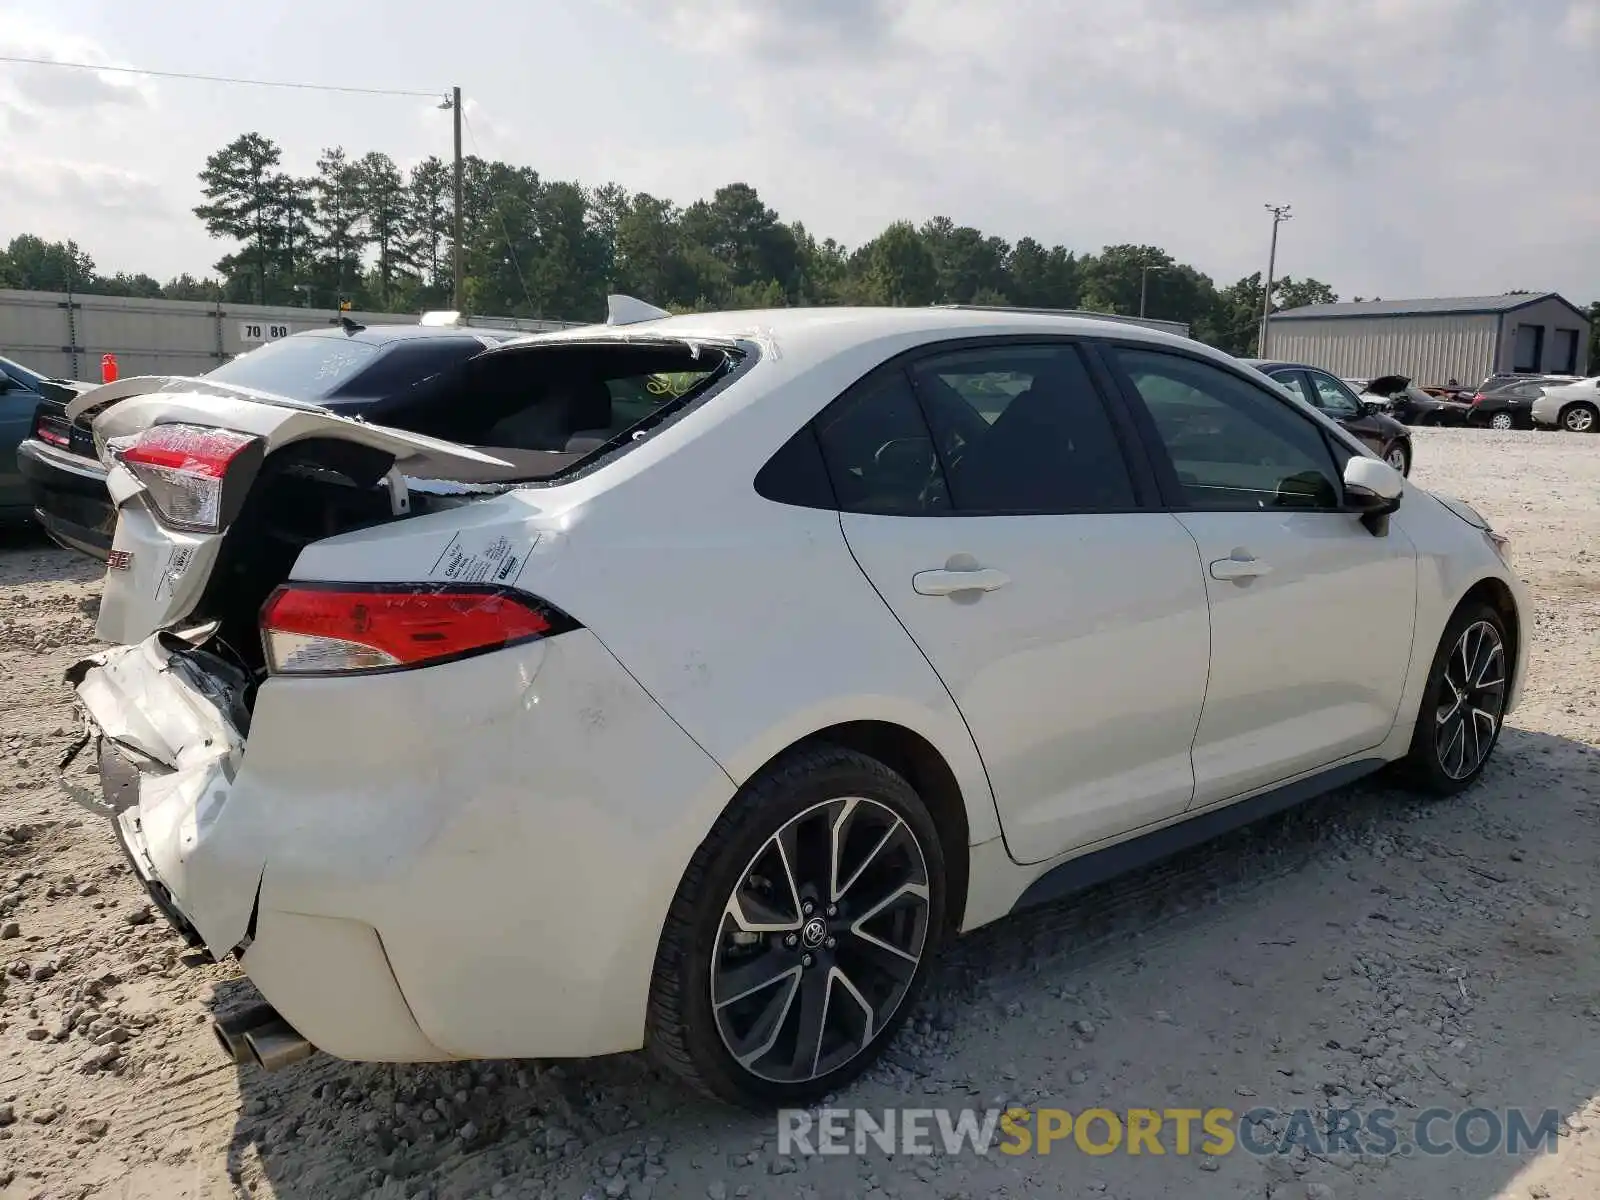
(1022, 429)
(879, 452)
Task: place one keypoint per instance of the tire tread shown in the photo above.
(667, 1032)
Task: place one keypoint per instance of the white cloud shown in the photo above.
(1428, 146)
(1171, 121)
(36, 89)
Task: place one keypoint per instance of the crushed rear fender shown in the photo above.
(174, 718)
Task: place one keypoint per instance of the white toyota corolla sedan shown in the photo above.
(685, 684)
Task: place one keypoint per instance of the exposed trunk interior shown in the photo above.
(552, 411)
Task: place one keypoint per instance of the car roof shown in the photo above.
(1273, 364)
(377, 335)
(824, 330)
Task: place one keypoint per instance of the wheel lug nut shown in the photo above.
(833, 910)
(806, 961)
(830, 943)
(791, 940)
(808, 908)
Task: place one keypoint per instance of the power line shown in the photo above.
(190, 75)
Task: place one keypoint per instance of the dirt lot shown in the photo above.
(1368, 951)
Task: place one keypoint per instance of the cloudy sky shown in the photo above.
(1429, 147)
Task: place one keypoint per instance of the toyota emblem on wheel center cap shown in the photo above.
(814, 933)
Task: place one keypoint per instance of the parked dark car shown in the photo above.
(1388, 438)
(21, 392)
(1401, 399)
(1509, 405)
(346, 368)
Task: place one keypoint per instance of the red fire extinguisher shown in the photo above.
(108, 368)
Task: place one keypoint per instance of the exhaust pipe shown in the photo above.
(230, 1030)
(276, 1045)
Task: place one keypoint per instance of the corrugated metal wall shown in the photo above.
(163, 337)
(1432, 350)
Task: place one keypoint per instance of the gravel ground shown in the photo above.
(1366, 950)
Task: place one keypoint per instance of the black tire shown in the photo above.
(1431, 765)
(682, 1031)
(1580, 418)
(1403, 450)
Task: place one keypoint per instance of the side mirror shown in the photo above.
(1373, 488)
(5, 383)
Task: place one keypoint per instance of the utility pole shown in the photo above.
(453, 103)
(456, 270)
(1144, 279)
(1280, 214)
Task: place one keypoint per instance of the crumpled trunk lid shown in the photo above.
(156, 574)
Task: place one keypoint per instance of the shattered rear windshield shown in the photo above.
(557, 410)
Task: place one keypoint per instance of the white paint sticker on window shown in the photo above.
(483, 558)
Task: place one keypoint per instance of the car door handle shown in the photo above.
(947, 583)
(1239, 567)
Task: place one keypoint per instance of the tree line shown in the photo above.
(361, 230)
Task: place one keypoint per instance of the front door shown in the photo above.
(1311, 614)
(987, 498)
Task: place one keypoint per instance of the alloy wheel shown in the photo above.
(820, 940)
(1472, 695)
(1500, 420)
(1579, 419)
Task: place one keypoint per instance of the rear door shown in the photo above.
(176, 494)
(989, 495)
(1311, 614)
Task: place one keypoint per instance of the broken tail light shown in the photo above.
(52, 431)
(195, 476)
(342, 629)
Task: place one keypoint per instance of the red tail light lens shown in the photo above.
(52, 431)
(185, 470)
(1477, 398)
(352, 628)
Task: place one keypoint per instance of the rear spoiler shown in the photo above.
(144, 385)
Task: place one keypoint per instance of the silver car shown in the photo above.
(1574, 407)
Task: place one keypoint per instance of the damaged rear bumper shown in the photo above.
(168, 723)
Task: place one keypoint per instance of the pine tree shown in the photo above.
(241, 197)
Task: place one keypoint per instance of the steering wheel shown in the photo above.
(915, 457)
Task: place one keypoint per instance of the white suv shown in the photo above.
(686, 684)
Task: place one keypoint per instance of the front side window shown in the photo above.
(1233, 445)
(1332, 397)
(1022, 429)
